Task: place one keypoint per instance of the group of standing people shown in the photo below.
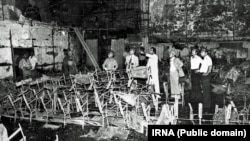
(150, 60)
(201, 68)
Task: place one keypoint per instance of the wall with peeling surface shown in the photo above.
(48, 46)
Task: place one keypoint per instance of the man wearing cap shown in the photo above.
(205, 70)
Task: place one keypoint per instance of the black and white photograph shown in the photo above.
(124, 70)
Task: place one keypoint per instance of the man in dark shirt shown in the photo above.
(65, 62)
(142, 57)
(69, 64)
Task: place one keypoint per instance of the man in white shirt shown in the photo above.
(152, 65)
(195, 61)
(132, 61)
(205, 70)
(33, 61)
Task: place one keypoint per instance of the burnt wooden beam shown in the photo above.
(12, 55)
(86, 48)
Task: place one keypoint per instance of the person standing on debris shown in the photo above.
(25, 66)
(142, 57)
(33, 61)
(153, 69)
(205, 70)
(125, 54)
(195, 60)
(110, 64)
(65, 62)
(132, 60)
(175, 73)
(72, 68)
(232, 76)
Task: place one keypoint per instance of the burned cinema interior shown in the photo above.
(105, 70)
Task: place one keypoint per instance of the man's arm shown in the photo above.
(149, 55)
(136, 63)
(104, 64)
(209, 70)
(115, 65)
(180, 63)
(21, 64)
(36, 63)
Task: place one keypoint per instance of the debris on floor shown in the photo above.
(106, 133)
(3, 133)
(51, 126)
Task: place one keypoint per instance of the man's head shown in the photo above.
(142, 49)
(132, 51)
(26, 55)
(194, 51)
(152, 50)
(32, 53)
(111, 54)
(70, 53)
(204, 52)
(172, 54)
(127, 48)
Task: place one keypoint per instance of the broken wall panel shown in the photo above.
(4, 42)
(21, 36)
(118, 46)
(93, 46)
(42, 43)
(41, 32)
(5, 34)
(6, 72)
(37, 36)
(1, 11)
(5, 56)
(44, 55)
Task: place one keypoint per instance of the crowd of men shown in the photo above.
(200, 68)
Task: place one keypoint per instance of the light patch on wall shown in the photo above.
(6, 71)
(25, 35)
(5, 55)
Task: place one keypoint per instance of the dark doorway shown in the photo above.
(18, 55)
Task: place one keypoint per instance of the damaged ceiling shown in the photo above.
(94, 14)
